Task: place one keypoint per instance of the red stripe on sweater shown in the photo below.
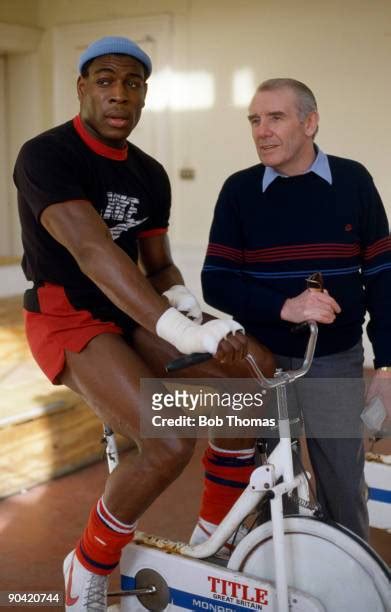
(303, 247)
(377, 248)
(306, 251)
(296, 256)
(322, 251)
(225, 252)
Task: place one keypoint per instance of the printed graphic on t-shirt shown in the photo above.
(124, 209)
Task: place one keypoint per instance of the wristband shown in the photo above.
(183, 300)
(188, 337)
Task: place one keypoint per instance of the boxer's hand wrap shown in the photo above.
(188, 337)
(183, 300)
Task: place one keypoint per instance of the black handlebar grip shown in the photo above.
(187, 360)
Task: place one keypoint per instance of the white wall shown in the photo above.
(23, 117)
(19, 111)
(22, 12)
(341, 49)
(5, 245)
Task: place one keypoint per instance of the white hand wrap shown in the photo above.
(183, 300)
(188, 337)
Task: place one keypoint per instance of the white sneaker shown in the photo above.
(84, 591)
(203, 530)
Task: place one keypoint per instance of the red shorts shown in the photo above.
(59, 327)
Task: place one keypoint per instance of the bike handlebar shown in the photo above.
(187, 360)
(288, 376)
(269, 383)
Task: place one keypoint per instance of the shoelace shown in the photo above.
(96, 598)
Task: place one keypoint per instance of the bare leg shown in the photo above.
(158, 353)
(107, 375)
(230, 458)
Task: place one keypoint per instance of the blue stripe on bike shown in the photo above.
(379, 495)
(191, 601)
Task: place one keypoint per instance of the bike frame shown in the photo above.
(263, 480)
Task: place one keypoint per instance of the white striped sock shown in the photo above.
(243, 453)
(111, 521)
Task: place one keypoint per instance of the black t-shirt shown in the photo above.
(132, 196)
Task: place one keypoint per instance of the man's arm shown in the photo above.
(376, 271)
(376, 268)
(78, 227)
(225, 284)
(156, 261)
(161, 271)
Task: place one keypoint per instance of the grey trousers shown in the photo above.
(330, 399)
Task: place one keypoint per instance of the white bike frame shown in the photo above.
(263, 479)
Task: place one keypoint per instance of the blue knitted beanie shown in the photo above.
(116, 44)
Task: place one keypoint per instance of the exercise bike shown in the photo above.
(288, 564)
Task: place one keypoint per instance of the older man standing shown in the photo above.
(298, 212)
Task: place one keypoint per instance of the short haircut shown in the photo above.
(305, 99)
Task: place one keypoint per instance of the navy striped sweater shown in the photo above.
(262, 247)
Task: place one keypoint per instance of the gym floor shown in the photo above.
(39, 527)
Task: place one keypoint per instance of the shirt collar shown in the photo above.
(96, 145)
(320, 166)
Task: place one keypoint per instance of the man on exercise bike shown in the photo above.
(92, 206)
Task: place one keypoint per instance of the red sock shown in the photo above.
(227, 474)
(99, 548)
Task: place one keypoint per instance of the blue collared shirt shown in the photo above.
(320, 166)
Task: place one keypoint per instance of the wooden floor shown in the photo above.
(24, 389)
(45, 430)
